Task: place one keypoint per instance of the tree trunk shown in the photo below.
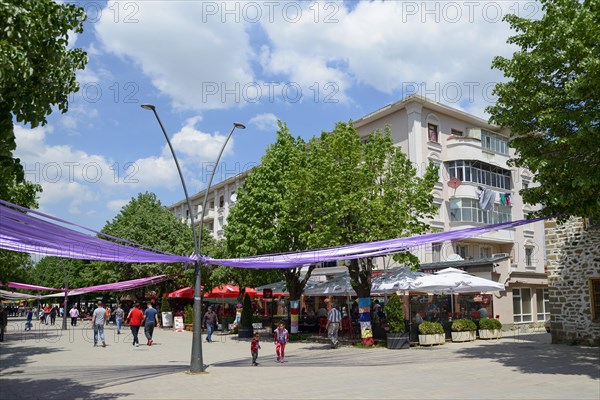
(295, 287)
(360, 275)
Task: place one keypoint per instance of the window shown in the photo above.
(221, 201)
(525, 184)
(528, 256)
(496, 143)
(595, 296)
(456, 132)
(436, 252)
(468, 210)
(485, 252)
(461, 250)
(433, 132)
(437, 164)
(521, 305)
(543, 304)
(212, 204)
(480, 172)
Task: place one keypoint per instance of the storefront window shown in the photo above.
(542, 300)
(522, 305)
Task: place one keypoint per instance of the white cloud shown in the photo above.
(440, 51)
(116, 205)
(265, 122)
(185, 57)
(197, 147)
(73, 177)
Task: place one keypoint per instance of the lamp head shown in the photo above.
(239, 126)
(150, 107)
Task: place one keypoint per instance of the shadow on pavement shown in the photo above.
(50, 389)
(18, 356)
(539, 358)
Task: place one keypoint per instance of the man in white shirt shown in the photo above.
(98, 318)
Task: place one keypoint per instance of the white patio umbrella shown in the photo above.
(338, 286)
(452, 280)
(393, 280)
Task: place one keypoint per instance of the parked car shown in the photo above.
(547, 325)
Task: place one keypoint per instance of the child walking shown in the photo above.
(254, 346)
(281, 338)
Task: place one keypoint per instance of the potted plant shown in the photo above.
(396, 337)
(166, 313)
(245, 330)
(431, 333)
(463, 330)
(490, 328)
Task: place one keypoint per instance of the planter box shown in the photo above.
(398, 341)
(245, 333)
(428, 340)
(467, 336)
(490, 334)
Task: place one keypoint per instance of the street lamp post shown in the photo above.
(196, 363)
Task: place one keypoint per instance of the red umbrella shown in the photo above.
(228, 292)
(183, 293)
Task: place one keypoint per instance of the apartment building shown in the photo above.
(472, 156)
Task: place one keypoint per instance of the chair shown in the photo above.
(323, 325)
(347, 327)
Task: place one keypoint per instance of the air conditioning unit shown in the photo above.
(500, 255)
(474, 133)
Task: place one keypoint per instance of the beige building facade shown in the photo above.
(475, 153)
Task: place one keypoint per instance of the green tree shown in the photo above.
(551, 103)
(37, 70)
(363, 191)
(261, 221)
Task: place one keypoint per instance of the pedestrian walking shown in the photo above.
(53, 314)
(3, 322)
(281, 337)
(334, 318)
(254, 346)
(107, 315)
(98, 318)
(210, 321)
(119, 313)
(29, 319)
(150, 321)
(134, 319)
(74, 313)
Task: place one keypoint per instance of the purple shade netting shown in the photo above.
(17, 285)
(361, 250)
(125, 285)
(27, 233)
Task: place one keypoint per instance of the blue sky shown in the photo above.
(207, 64)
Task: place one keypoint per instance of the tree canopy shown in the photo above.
(360, 190)
(260, 222)
(37, 70)
(551, 103)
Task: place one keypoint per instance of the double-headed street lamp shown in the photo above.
(196, 364)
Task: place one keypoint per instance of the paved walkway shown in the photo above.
(53, 364)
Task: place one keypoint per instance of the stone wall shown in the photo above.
(573, 256)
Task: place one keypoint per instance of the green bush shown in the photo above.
(489, 323)
(164, 305)
(430, 328)
(256, 318)
(188, 314)
(463, 325)
(395, 314)
(246, 320)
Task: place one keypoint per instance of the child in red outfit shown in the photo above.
(280, 338)
(254, 346)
